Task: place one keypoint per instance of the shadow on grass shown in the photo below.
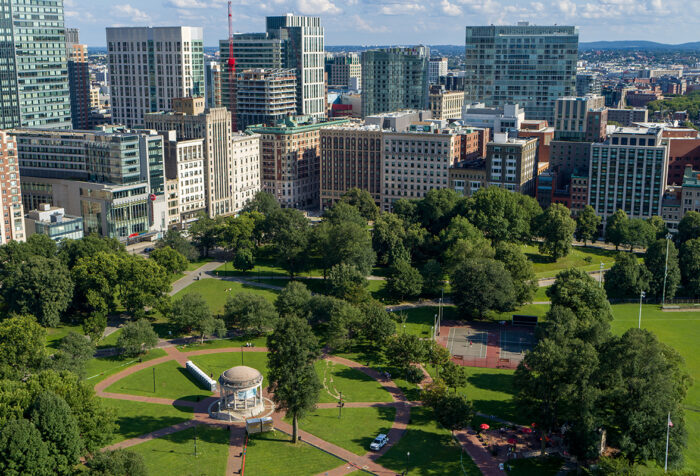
(353, 374)
(195, 382)
(133, 426)
(204, 433)
(498, 382)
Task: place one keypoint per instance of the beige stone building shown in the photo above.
(247, 179)
(184, 163)
(12, 222)
(468, 176)
(351, 156)
(511, 163)
(445, 104)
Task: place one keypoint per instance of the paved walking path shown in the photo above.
(190, 276)
(236, 442)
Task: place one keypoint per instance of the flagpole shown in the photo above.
(668, 430)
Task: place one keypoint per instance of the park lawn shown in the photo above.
(171, 381)
(354, 385)
(354, 430)
(680, 330)
(547, 466)
(432, 449)
(541, 294)
(55, 334)
(110, 340)
(174, 454)
(272, 453)
(528, 309)
(377, 289)
(138, 418)
(257, 341)
(99, 368)
(193, 265)
(545, 268)
(215, 364)
(215, 292)
(420, 320)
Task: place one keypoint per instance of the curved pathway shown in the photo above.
(237, 437)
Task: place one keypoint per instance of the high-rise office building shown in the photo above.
(344, 71)
(436, 67)
(527, 65)
(78, 79)
(150, 66)
(264, 96)
(394, 79)
(445, 104)
(628, 172)
(290, 42)
(582, 118)
(33, 70)
(212, 77)
(12, 220)
(588, 83)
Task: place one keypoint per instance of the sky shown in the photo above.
(384, 22)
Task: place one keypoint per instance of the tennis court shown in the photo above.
(467, 343)
(515, 342)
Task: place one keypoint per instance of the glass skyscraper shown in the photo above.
(34, 88)
(527, 65)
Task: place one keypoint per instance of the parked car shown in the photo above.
(149, 249)
(379, 442)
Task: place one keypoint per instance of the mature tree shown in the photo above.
(655, 261)
(388, 233)
(74, 351)
(251, 312)
(347, 242)
(503, 215)
(437, 356)
(556, 384)
(437, 208)
(580, 308)
(191, 313)
(22, 343)
(73, 250)
(236, 233)
(639, 233)
(343, 325)
(292, 350)
(144, 283)
(689, 227)
(454, 412)
(617, 228)
(377, 325)
(455, 376)
(52, 416)
(659, 226)
(556, 227)
(22, 451)
(461, 240)
(405, 350)
(347, 282)
(404, 281)
(117, 463)
(627, 278)
(433, 277)
(290, 232)
(169, 259)
(39, 244)
(587, 223)
(39, 286)
(94, 327)
(262, 202)
(406, 209)
(434, 392)
(137, 338)
(244, 260)
(690, 266)
(293, 300)
(480, 285)
(205, 233)
(520, 269)
(98, 282)
(175, 240)
(363, 201)
(643, 380)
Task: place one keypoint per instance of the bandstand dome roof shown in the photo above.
(240, 376)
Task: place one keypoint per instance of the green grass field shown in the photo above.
(138, 418)
(191, 266)
(354, 430)
(680, 330)
(215, 292)
(171, 381)
(215, 364)
(97, 369)
(174, 454)
(258, 341)
(432, 449)
(110, 340)
(541, 294)
(55, 334)
(355, 385)
(578, 258)
(263, 267)
(273, 454)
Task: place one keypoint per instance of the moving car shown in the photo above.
(379, 442)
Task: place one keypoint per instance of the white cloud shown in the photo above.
(567, 7)
(184, 4)
(363, 25)
(450, 8)
(314, 7)
(401, 9)
(537, 6)
(127, 11)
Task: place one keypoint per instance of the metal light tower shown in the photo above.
(642, 295)
(663, 293)
(231, 71)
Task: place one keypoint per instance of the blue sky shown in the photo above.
(398, 21)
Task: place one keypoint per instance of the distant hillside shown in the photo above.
(447, 50)
(637, 45)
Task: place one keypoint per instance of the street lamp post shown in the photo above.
(663, 293)
(408, 459)
(642, 294)
(600, 275)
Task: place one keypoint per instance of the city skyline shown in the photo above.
(370, 22)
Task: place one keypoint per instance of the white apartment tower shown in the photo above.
(436, 67)
(149, 66)
(246, 168)
(12, 222)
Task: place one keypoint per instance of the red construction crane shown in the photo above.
(231, 70)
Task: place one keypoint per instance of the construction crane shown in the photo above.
(231, 70)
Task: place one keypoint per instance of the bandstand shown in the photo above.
(241, 394)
